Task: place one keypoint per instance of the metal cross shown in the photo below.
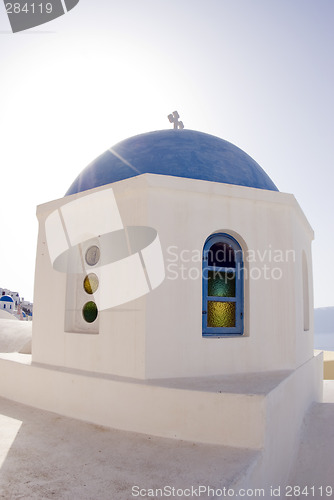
(174, 118)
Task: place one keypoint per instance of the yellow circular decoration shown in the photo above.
(91, 283)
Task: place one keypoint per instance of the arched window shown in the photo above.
(306, 294)
(222, 286)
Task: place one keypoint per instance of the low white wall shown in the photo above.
(192, 415)
(286, 406)
(269, 420)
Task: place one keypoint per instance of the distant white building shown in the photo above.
(17, 306)
(7, 303)
(27, 307)
(15, 296)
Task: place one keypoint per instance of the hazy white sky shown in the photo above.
(258, 73)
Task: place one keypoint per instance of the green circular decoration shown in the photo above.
(90, 312)
(91, 283)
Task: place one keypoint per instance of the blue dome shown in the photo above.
(181, 153)
(6, 298)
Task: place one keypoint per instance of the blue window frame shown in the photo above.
(222, 310)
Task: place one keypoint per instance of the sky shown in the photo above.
(257, 73)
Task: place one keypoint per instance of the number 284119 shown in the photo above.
(29, 8)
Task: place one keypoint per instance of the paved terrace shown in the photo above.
(44, 455)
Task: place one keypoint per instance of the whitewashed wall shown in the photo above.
(160, 335)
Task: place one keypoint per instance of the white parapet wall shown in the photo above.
(286, 406)
(259, 411)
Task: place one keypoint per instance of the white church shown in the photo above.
(179, 280)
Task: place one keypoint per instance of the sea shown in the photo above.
(324, 328)
(324, 341)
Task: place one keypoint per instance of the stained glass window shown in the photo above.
(92, 255)
(222, 286)
(90, 312)
(221, 254)
(306, 294)
(221, 314)
(91, 283)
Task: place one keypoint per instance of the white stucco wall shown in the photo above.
(160, 334)
(118, 348)
(267, 224)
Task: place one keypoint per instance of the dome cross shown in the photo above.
(174, 118)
